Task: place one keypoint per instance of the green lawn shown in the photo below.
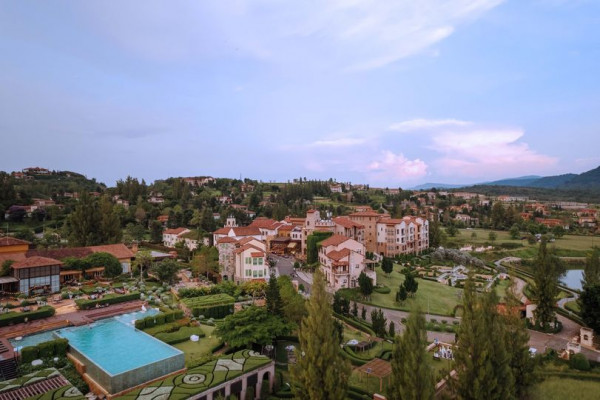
(202, 348)
(567, 246)
(367, 383)
(432, 297)
(565, 389)
(573, 306)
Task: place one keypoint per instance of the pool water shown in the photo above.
(116, 346)
(34, 340)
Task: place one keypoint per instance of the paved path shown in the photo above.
(285, 266)
(397, 315)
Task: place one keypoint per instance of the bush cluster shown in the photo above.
(158, 319)
(83, 304)
(53, 348)
(18, 317)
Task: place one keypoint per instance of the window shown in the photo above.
(254, 261)
(254, 273)
(248, 272)
(260, 261)
(248, 260)
(260, 273)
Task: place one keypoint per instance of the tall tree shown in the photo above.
(273, 300)
(435, 233)
(387, 265)
(252, 325)
(589, 302)
(321, 372)
(591, 272)
(365, 285)
(410, 284)
(475, 373)
(547, 272)
(517, 343)
(156, 229)
(166, 271)
(110, 226)
(294, 308)
(84, 222)
(412, 373)
(206, 261)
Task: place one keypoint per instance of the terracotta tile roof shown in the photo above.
(338, 255)
(347, 222)
(35, 261)
(246, 231)
(334, 240)
(61, 254)
(176, 231)
(262, 222)
(226, 239)
(222, 231)
(257, 254)
(246, 247)
(11, 241)
(246, 240)
(11, 256)
(118, 250)
(286, 228)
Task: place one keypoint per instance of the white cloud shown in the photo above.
(341, 142)
(353, 35)
(420, 124)
(486, 153)
(391, 167)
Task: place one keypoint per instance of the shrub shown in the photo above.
(181, 335)
(213, 312)
(45, 349)
(29, 353)
(83, 304)
(60, 347)
(579, 362)
(15, 318)
(382, 290)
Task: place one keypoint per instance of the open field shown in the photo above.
(567, 246)
(432, 297)
(565, 389)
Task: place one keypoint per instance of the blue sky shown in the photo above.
(391, 93)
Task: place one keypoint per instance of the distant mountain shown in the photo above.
(587, 181)
(427, 186)
(520, 181)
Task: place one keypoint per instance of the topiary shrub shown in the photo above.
(579, 362)
(60, 347)
(28, 354)
(45, 349)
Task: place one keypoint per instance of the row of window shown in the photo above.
(253, 273)
(254, 260)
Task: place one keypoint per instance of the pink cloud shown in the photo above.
(390, 167)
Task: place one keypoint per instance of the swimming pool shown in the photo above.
(118, 356)
(33, 340)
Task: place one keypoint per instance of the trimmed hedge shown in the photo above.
(16, 318)
(362, 326)
(52, 348)
(83, 304)
(382, 290)
(158, 319)
(217, 312)
(353, 360)
(206, 301)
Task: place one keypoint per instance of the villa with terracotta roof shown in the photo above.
(343, 260)
(368, 219)
(408, 235)
(237, 232)
(251, 261)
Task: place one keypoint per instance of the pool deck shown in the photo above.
(72, 318)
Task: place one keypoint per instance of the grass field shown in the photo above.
(367, 383)
(566, 389)
(573, 306)
(432, 297)
(567, 246)
(196, 350)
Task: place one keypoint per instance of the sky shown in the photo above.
(389, 93)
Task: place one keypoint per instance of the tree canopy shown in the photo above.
(251, 325)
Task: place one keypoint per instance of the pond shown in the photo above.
(573, 278)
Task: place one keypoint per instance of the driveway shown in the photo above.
(285, 266)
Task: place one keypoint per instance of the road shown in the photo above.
(285, 266)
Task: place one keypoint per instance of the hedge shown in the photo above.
(180, 335)
(16, 318)
(217, 312)
(52, 348)
(353, 360)
(158, 319)
(362, 326)
(382, 290)
(83, 304)
(206, 301)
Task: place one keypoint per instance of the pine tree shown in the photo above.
(472, 357)
(363, 313)
(110, 226)
(401, 294)
(517, 344)
(392, 329)
(591, 272)
(412, 374)
(321, 372)
(410, 284)
(546, 275)
(84, 222)
(355, 310)
(387, 265)
(273, 298)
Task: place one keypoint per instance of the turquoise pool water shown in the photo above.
(116, 346)
(33, 340)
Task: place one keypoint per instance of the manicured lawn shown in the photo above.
(567, 246)
(432, 297)
(573, 306)
(202, 348)
(366, 382)
(565, 389)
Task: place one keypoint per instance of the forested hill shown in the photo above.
(587, 181)
(542, 194)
